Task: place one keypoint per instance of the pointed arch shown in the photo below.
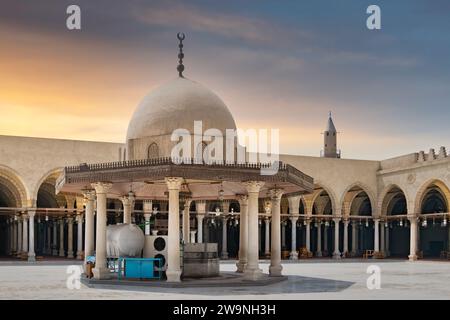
(13, 187)
(351, 192)
(422, 192)
(321, 188)
(387, 195)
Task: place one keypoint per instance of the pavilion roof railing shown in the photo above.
(84, 167)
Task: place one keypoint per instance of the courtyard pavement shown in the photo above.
(307, 279)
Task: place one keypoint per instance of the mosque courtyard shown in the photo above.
(307, 279)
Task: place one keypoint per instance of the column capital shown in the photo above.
(412, 218)
(126, 201)
(31, 213)
(147, 206)
(101, 187)
(253, 186)
(242, 199)
(276, 194)
(187, 202)
(173, 183)
(88, 194)
(200, 206)
(337, 220)
(294, 219)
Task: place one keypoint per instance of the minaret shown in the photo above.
(330, 140)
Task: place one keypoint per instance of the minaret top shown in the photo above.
(181, 36)
(330, 124)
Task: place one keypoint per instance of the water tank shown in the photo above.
(124, 240)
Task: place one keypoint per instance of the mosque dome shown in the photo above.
(175, 105)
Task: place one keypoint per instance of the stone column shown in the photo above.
(200, 218)
(354, 239)
(308, 235)
(10, 236)
(147, 217)
(345, 249)
(89, 196)
(382, 238)
(376, 246)
(387, 253)
(267, 237)
(101, 270)
(24, 235)
(70, 237)
(283, 235)
(319, 239)
(126, 201)
(224, 238)
(61, 237)
(201, 211)
(19, 236)
(13, 227)
(173, 271)
(49, 238)
(294, 254)
(55, 237)
(336, 253)
(275, 250)
(193, 232)
(243, 233)
(31, 254)
(147, 207)
(186, 220)
(80, 236)
(413, 239)
(325, 238)
(252, 270)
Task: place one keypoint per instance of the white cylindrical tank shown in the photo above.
(124, 240)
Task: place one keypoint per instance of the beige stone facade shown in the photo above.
(29, 168)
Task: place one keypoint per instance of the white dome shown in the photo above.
(176, 105)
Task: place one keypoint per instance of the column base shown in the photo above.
(275, 271)
(240, 266)
(293, 255)
(79, 255)
(70, 255)
(32, 257)
(54, 252)
(252, 274)
(412, 257)
(101, 273)
(224, 255)
(318, 254)
(173, 276)
(377, 255)
(61, 254)
(336, 255)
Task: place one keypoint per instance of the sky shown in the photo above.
(276, 64)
